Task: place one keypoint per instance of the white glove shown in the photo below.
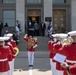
(35, 46)
(25, 35)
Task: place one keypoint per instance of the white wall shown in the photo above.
(20, 12)
(73, 14)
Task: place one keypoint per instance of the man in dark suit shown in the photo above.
(43, 27)
(30, 28)
(1, 26)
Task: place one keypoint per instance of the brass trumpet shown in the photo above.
(16, 50)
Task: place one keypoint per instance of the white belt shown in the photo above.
(3, 59)
(70, 61)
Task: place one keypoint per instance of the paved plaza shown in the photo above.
(41, 64)
(41, 61)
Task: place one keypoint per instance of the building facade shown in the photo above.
(62, 13)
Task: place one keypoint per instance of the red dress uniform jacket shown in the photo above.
(70, 52)
(31, 49)
(58, 65)
(13, 43)
(49, 45)
(50, 48)
(12, 51)
(73, 70)
(4, 58)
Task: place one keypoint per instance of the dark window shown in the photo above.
(8, 1)
(59, 1)
(33, 1)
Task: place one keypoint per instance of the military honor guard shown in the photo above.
(71, 58)
(13, 43)
(58, 46)
(50, 54)
(31, 45)
(14, 47)
(13, 54)
(52, 42)
(5, 57)
(67, 48)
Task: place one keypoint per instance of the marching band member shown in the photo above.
(51, 43)
(57, 46)
(13, 43)
(50, 55)
(5, 54)
(13, 53)
(32, 44)
(57, 41)
(11, 40)
(69, 50)
(71, 58)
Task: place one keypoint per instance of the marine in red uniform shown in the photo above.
(51, 44)
(32, 44)
(5, 54)
(13, 43)
(70, 50)
(13, 54)
(50, 48)
(15, 48)
(56, 48)
(71, 70)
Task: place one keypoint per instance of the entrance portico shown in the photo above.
(47, 13)
(20, 11)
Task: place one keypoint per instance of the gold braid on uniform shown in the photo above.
(30, 43)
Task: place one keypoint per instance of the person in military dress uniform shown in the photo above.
(5, 57)
(31, 45)
(71, 55)
(15, 48)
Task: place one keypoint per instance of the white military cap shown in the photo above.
(9, 35)
(63, 35)
(72, 33)
(2, 38)
(55, 35)
(7, 38)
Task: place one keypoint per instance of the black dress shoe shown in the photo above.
(30, 65)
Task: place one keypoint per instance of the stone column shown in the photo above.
(20, 13)
(47, 12)
(47, 8)
(73, 14)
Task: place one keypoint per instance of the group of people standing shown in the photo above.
(16, 31)
(3, 28)
(65, 45)
(33, 28)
